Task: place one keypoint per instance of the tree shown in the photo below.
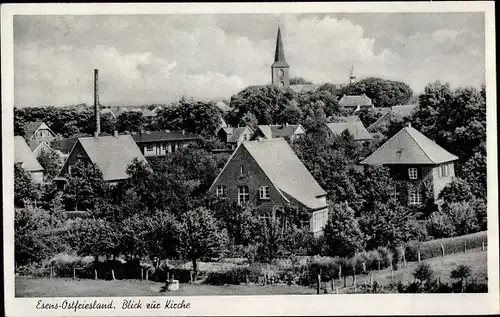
(85, 186)
(423, 272)
(264, 102)
(387, 224)
(25, 191)
(249, 120)
(474, 172)
(376, 185)
(299, 81)
(200, 236)
(461, 273)
(192, 116)
(384, 93)
(463, 217)
(130, 121)
(342, 235)
(51, 163)
(456, 191)
(36, 235)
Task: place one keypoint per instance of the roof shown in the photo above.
(222, 106)
(31, 127)
(356, 128)
(24, 155)
(111, 154)
(158, 136)
(64, 145)
(235, 133)
(107, 111)
(403, 110)
(279, 131)
(346, 119)
(304, 88)
(409, 146)
(148, 113)
(352, 101)
(279, 55)
(285, 170)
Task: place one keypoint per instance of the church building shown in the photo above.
(279, 69)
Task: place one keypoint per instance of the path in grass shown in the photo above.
(66, 287)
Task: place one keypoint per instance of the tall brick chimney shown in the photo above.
(96, 103)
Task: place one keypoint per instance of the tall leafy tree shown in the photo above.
(200, 236)
(299, 81)
(84, 187)
(51, 163)
(25, 191)
(383, 92)
(130, 121)
(342, 235)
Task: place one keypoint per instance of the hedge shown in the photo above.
(432, 248)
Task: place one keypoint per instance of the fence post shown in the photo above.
(442, 249)
(340, 271)
(392, 273)
(465, 246)
(74, 273)
(337, 290)
(482, 246)
(142, 274)
(371, 279)
(364, 267)
(353, 277)
(404, 257)
(318, 280)
(51, 271)
(418, 255)
(333, 284)
(95, 274)
(378, 265)
(113, 274)
(246, 278)
(147, 275)
(168, 276)
(191, 276)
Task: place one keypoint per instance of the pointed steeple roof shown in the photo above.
(279, 55)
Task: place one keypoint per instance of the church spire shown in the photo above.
(352, 78)
(279, 55)
(279, 69)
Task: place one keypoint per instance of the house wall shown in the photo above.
(77, 153)
(149, 149)
(37, 177)
(253, 178)
(43, 147)
(42, 135)
(440, 181)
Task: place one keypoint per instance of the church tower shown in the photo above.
(352, 78)
(280, 68)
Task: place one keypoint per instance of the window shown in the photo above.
(444, 170)
(413, 173)
(282, 73)
(305, 223)
(415, 197)
(149, 147)
(243, 195)
(221, 191)
(264, 192)
(282, 84)
(245, 137)
(265, 217)
(242, 171)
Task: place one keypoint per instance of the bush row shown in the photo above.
(432, 248)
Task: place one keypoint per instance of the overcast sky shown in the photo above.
(158, 58)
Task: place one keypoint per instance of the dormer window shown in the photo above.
(282, 73)
(264, 192)
(242, 171)
(413, 173)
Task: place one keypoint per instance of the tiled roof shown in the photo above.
(304, 88)
(279, 131)
(235, 134)
(345, 119)
(356, 128)
(30, 128)
(158, 136)
(222, 106)
(24, 155)
(285, 170)
(352, 101)
(64, 145)
(279, 55)
(112, 154)
(107, 111)
(409, 146)
(403, 110)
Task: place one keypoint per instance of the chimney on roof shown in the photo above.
(115, 134)
(96, 103)
(183, 132)
(408, 124)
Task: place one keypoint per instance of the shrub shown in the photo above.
(423, 272)
(411, 249)
(385, 257)
(234, 276)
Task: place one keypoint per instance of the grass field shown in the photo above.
(65, 287)
(442, 267)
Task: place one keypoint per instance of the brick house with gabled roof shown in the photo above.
(112, 155)
(160, 143)
(355, 128)
(291, 131)
(38, 131)
(267, 174)
(355, 102)
(413, 157)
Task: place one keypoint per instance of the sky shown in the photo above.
(145, 59)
